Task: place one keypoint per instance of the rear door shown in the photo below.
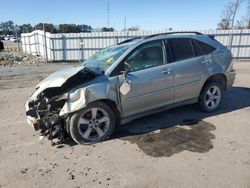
(188, 65)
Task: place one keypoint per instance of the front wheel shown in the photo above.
(211, 97)
(93, 124)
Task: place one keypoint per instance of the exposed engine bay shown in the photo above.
(46, 107)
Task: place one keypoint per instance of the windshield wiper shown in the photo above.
(94, 71)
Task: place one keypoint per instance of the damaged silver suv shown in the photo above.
(134, 78)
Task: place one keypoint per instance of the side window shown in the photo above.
(197, 49)
(207, 49)
(146, 56)
(181, 48)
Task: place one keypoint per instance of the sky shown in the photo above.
(147, 14)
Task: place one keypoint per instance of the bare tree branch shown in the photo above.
(229, 13)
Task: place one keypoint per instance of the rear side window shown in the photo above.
(197, 48)
(181, 49)
(207, 49)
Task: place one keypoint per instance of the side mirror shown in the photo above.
(125, 74)
(126, 84)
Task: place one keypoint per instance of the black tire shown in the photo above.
(73, 127)
(202, 98)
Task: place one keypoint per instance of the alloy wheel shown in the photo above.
(93, 124)
(213, 97)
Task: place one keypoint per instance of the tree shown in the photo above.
(47, 26)
(107, 29)
(7, 28)
(248, 15)
(224, 24)
(68, 28)
(85, 28)
(25, 28)
(248, 25)
(73, 28)
(240, 24)
(134, 28)
(244, 22)
(229, 13)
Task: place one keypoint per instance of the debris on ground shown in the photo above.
(13, 55)
(1, 46)
(10, 58)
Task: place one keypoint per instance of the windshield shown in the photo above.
(102, 60)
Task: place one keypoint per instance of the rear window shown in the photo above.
(207, 49)
(197, 48)
(181, 49)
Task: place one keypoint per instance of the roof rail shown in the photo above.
(129, 40)
(154, 35)
(170, 33)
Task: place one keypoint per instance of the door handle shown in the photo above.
(167, 71)
(205, 62)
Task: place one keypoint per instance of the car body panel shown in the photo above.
(151, 88)
(188, 77)
(103, 88)
(56, 79)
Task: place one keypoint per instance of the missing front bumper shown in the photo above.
(32, 121)
(50, 125)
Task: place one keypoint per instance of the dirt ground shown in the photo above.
(176, 148)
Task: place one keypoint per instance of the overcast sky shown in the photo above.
(147, 14)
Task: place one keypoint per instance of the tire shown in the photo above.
(214, 96)
(92, 124)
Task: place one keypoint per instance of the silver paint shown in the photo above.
(152, 89)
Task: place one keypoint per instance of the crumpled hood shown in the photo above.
(58, 78)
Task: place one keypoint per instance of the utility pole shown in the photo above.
(45, 44)
(237, 4)
(17, 38)
(125, 23)
(108, 13)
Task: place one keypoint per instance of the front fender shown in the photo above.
(81, 97)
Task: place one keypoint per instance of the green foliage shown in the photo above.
(47, 26)
(25, 28)
(73, 28)
(7, 28)
(106, 29)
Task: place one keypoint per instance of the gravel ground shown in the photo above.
(176, 148)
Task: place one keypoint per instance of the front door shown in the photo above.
(151, 79)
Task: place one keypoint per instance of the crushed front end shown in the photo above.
(45, 104)
(43, 115)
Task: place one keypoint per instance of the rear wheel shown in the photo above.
(211, 97)
(93, 124)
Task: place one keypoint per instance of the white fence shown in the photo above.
(80, 46)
